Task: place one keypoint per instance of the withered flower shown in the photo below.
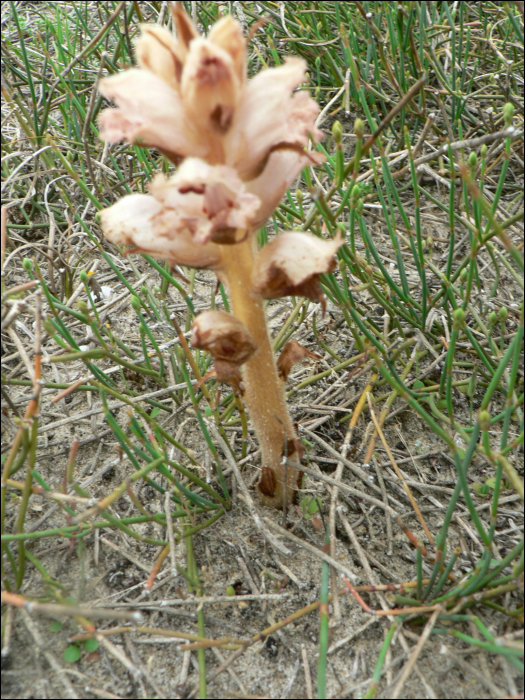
(229, 342)
(291, 264)
(291, 354)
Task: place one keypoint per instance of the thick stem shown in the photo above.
(264, 390)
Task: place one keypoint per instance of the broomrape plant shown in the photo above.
(238, 144)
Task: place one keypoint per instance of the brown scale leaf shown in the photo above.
(267, 483)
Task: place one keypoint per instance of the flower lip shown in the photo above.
(280, 170)
(137, 117)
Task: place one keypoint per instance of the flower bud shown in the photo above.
(359, 128)
(458, 319)
(484, 420)
(472, 160)
(299, 196)
(291, 264)
(508, 113)
(135, 303)
(337, 132)
(27, 265)
(49, 327)
(483, 150)
(355, 194)
(83, 307)
(493, 318)
(503, 314)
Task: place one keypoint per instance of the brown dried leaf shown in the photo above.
(292, 447)
(228, 373)
(291, 354)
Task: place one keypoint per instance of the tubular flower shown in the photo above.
(211, 201)
(190, 97)
(140, 221)
(291, 264)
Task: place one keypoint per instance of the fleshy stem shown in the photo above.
(264, 390)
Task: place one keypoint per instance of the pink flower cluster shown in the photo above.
(240, 144)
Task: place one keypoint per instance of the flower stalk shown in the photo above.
(264, 391)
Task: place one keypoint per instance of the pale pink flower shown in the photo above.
(291, 264)
(191, 97)
(211, 202)
(199, 206)
(140, 221)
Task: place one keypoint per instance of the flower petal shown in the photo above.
(157, 52)
(141, 221)
(269, 115)
(291, 264)
(210, 89)
(227, 34)
(138, 94)
(211, 201)
(186, 30)
(281, 169)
